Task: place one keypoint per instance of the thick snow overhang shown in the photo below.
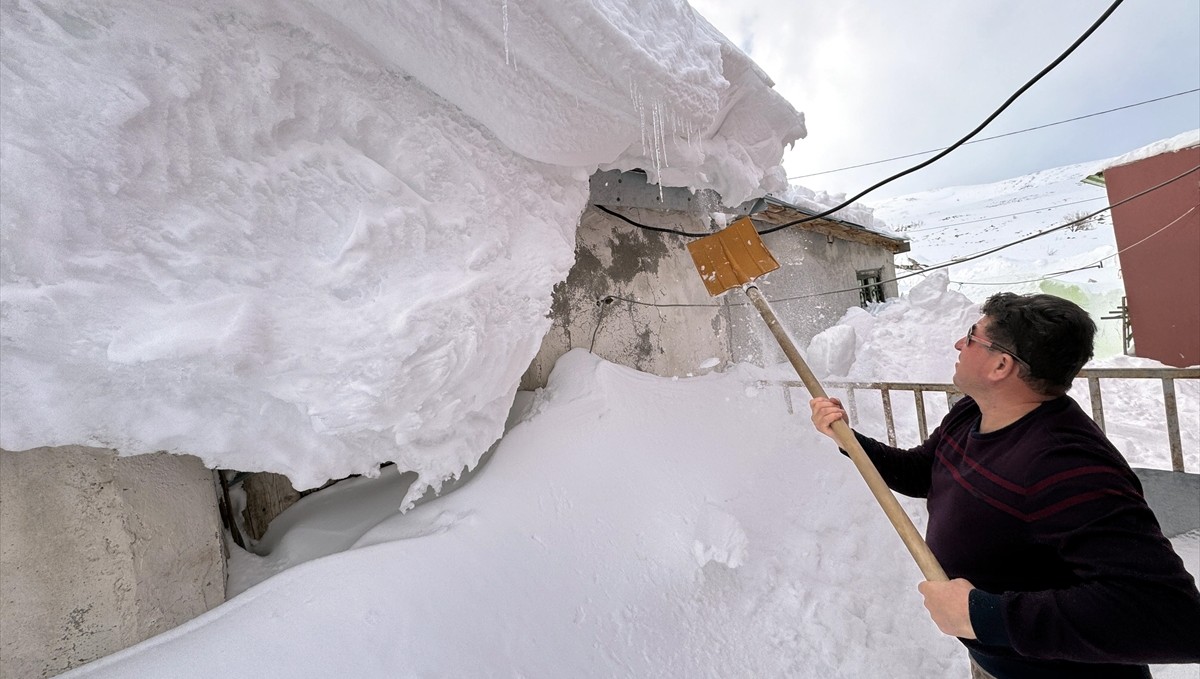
(311, 238)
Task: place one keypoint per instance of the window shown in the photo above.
(870, 289)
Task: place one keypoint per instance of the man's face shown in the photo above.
(975, 360)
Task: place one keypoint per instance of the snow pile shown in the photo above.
(820, 201)
(627, 526)
(911, 339)
(310, 238)
(632, 526)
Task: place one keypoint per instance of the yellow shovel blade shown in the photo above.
(731, 257)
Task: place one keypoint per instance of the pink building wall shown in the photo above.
(1161, 273)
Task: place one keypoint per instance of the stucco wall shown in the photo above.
(674, 327)
(99, 552)
(1159, 241)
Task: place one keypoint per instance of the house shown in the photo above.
(634, 297)
(1155, 194)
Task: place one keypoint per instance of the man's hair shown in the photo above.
(1053, 335)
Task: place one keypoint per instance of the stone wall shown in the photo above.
(98, 552)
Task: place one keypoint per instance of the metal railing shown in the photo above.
(1167, 376)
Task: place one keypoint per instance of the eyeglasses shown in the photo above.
(972, 337)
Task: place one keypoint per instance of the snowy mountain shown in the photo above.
(1077, 262)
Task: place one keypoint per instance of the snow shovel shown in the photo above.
(734, 257)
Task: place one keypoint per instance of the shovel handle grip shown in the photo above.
(912, 539)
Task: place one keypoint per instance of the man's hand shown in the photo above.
(826, 411)
(947, 603)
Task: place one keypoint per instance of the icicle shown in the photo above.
(504, 12)
(641, 112)
(659, 150)
(662, 136)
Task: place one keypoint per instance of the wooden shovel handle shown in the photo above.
(916, 545)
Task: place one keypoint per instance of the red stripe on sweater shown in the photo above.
(1027, 490)
(1044, 513)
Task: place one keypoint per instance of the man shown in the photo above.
(1058, 567)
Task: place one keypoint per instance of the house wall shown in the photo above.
(98, 552)
(1162, 279)
(613, 258)
(809, 264)
(674, 327)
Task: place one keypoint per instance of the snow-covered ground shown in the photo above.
(626, 526)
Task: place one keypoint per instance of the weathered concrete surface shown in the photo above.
(613, 258)
(99, 552)
(1174, 497)
(267, 495)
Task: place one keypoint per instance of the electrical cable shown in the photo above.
(943, 265)
(972, 133)
(603, 305)
(999, 136)
(777, 228)
(998, 248)
(1010, 214)
(659, 229)
(1098, 264)
(1079, 41)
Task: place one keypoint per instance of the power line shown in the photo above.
(1010, 214)
(972, 133)
(999, 136)
(961, 260)
(1079, 41)
(647, 227)
(998, 248)
(1099, 263)
(773, 229)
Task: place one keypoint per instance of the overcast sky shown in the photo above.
(880, 78)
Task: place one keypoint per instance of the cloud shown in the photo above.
(878, 79)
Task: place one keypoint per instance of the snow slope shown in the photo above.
(1078, 262)
(631, 526)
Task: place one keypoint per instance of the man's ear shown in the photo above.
(1005, 365)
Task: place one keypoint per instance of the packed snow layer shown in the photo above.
(820, 201)
(309, 239)
(632, 526)
(1183, 140)
(629, 526)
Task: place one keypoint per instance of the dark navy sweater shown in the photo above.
(1074, 577)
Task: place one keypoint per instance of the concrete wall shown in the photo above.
(613, 258)
(673, 326)
(98, 553)
(1162, 281)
